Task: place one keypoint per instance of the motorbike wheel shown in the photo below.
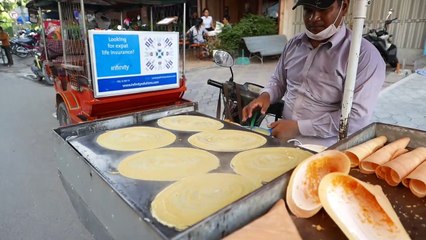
(62, 115)
(393, 61)
(21, 52)
(46, 77)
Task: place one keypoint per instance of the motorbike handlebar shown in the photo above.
(387, 22)
(214, 83)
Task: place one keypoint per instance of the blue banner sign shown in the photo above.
(127, 62)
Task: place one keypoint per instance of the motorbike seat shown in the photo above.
(25, 40)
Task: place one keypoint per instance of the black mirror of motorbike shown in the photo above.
(223, 58)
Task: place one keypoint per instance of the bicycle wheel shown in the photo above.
(2, 56)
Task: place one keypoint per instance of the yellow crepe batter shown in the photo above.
(135, 138)
(189, 123)
(227, 140)
(167, 164)
(265, 164)
(194, 198)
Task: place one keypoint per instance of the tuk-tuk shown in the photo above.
(101, 67)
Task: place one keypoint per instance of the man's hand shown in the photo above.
(285, 129)
(263, 101)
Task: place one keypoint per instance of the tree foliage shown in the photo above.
(230, 39)
(7, 5)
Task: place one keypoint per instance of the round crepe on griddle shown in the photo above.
(135, 138)
(167, 164)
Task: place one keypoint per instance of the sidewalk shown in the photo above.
(403, 103)
(198, 72)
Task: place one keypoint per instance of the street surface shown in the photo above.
(33, 203)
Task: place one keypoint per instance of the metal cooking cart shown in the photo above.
(115, 207)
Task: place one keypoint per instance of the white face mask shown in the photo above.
(326, 33)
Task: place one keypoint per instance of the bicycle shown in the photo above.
(2, 55)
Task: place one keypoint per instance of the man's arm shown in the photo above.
(371, 74)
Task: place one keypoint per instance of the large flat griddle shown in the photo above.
(138, 194)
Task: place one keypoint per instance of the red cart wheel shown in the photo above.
(62, 115)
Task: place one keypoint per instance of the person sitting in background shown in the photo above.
(193, 19)
(5, 44)
(225, 21)
(197, 32)
(207, 20)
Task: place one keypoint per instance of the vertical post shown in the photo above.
(121, 19)
(359, 15)
(152, 21)
(43, 36)
(86, 45)
(184, 39)
(63, 33)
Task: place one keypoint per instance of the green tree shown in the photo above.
(7, 5)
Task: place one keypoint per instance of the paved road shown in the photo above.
(33, 203)
(199, 72)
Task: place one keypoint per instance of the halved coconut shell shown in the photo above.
(361, 210)
(302, 191)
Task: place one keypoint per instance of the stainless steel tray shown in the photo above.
(87, 161)
(410, 209)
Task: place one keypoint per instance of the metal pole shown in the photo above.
(86, 45)
(359, 15)
(184, 39)
(152, 24)
(43, 37)
(63, 32)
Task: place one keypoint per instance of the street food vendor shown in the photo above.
(310, 77)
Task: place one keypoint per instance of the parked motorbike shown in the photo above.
(22, 47)
(39, 69)
(235, 96)
(382, 40)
